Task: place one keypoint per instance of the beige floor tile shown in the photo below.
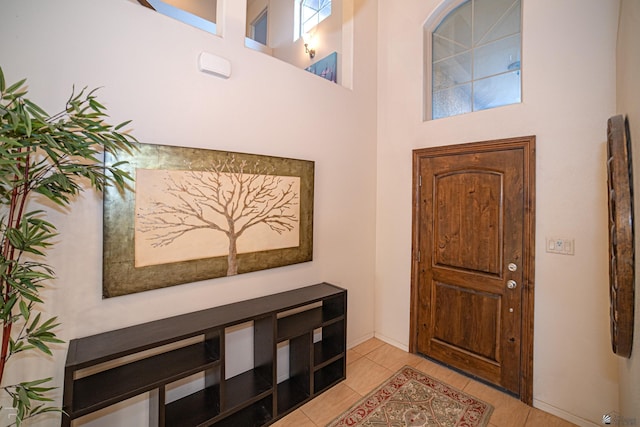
(330, 404)
(367, 346)
(372, 362)
(427, 366)
(295, 419)
(393, 358)
(538, 418)
(352, 356)
(364, 375)
(443, 374)
(507, 411)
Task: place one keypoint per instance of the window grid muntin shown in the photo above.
(312, 12)
(472, 49)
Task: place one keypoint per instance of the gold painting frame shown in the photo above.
(120, 274)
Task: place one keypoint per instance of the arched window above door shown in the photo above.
(473, 57)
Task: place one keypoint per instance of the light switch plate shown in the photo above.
(556, 245)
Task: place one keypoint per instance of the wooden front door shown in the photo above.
(473, 249)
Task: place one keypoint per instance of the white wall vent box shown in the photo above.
(212, 64)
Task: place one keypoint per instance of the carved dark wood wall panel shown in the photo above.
(621, 235)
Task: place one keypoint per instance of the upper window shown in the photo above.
(475, 58)
(312, 12)
(259, 27)
(198, 13)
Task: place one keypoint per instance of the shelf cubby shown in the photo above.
(257, 414)
(328, 376)
(194, 410)
(245, 387)
(296, 389)
(140, 376)
(331, 346)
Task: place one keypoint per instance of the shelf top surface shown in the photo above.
(121, 342)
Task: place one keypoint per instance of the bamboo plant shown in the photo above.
(55, 157)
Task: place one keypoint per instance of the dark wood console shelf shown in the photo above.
(107, 368)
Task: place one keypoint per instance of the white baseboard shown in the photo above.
(563, 414)
(392, 342)
(359, 340)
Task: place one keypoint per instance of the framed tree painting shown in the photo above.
(194, 214)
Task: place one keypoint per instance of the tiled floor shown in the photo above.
(373, 361)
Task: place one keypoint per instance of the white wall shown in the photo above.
(628, 103)
(146, 64)
(568, 94)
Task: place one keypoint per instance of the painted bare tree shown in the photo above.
(230, 197)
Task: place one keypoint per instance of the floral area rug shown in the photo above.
(413, 399)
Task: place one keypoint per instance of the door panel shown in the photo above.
(467, 229)
(472, 222)
(477, 331)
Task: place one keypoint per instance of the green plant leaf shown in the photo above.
(39, 345)
(36, 110)
(14, 87)
(34, 324)
(24, 310)
(27, 123)
(123, 124)
(5, 313)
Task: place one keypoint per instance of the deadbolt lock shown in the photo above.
(512, 267)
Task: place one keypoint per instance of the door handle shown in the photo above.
(511, 284)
